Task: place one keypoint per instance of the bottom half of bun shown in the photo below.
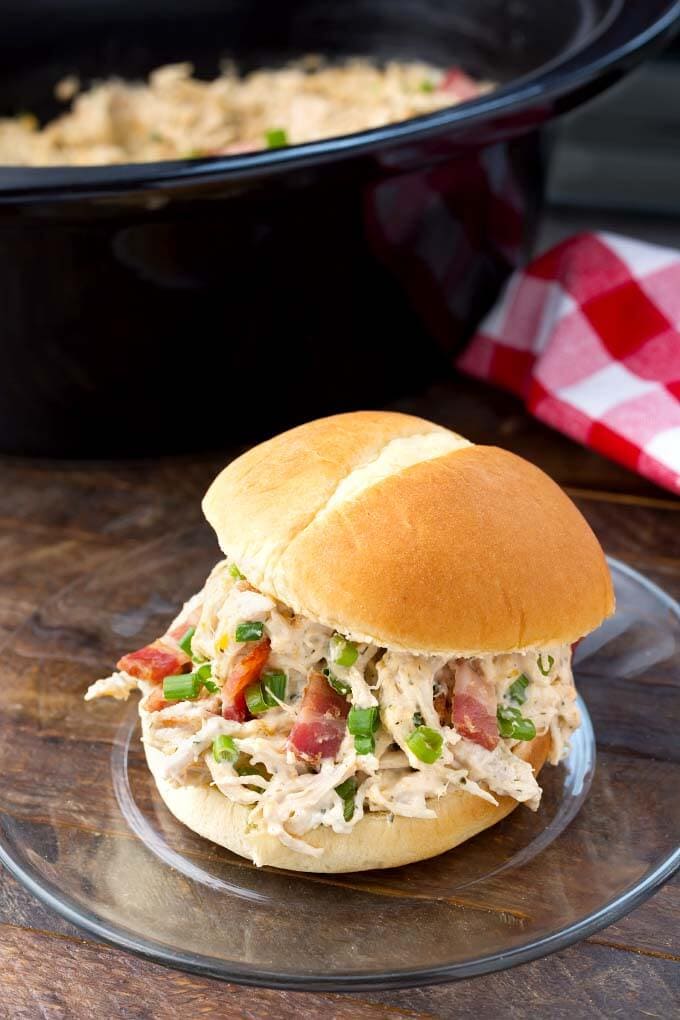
(374, 842)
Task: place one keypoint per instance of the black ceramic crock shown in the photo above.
(182, 305)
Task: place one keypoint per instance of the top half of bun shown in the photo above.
(391, 529)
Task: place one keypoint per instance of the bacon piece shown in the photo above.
(441, 704)
(320, 725)
(443, 694)
(474, 707)
(461, 84)
(154, 662)
(246, 671)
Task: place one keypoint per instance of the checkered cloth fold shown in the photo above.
(589, 336)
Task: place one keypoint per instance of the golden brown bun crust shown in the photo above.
(476, 551)
(373, 842)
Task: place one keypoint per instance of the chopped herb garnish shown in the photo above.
(507, 717)
(524, 730)
(338, 685)
(517, 691)
(235, 572)
(273, 683)
(347, 791)
(224, 749)
(512, 725)
(342, 651)
(551, 663)
(276, 138)
(263, 695)
(364, 745)
(426, 85)
(188, 685)
(185, 686)
(185, 641)
(418, 719)
(255, 699)
(251, 630)
(363, 722)
(247, 768)
(426, 744)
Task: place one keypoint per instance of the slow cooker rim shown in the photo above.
(557, 78)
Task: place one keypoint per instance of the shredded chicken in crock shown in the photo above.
(177, 116)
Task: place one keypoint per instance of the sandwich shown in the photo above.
(380, 665)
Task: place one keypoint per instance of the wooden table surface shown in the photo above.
(60, 519)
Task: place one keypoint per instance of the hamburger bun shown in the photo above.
(395, 531)
(401, 533)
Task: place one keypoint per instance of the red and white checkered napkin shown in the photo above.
(589, 335)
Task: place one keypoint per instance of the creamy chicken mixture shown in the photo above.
(311, 729)
(176, 116)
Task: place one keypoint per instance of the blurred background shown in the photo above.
(616, 162)
(307, 279)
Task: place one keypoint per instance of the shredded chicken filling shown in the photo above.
(290, 795)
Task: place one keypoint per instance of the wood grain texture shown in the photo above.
(119, 986)
(586, 981)
(43, 977)
(58, 520)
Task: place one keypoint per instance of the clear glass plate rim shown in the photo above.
(156, 952)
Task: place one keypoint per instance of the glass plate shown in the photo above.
(82, 826)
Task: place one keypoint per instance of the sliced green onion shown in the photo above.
(426, 86)
(255, 699)
(235, 572)
(551, 663)
(343, 652)
(338, 685)
(364, 745)
(251, 630)
(511, 724)
(273, 685)
(204, 672)
(276, 138)
(507, 717)
(250, 769)
(346, 791)
(418, 719)
(363, 722)
(185, 643)
(524, 729)
(224, 749)
(426, 744)
(517, 691)
(182, 687)
(211, 686)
